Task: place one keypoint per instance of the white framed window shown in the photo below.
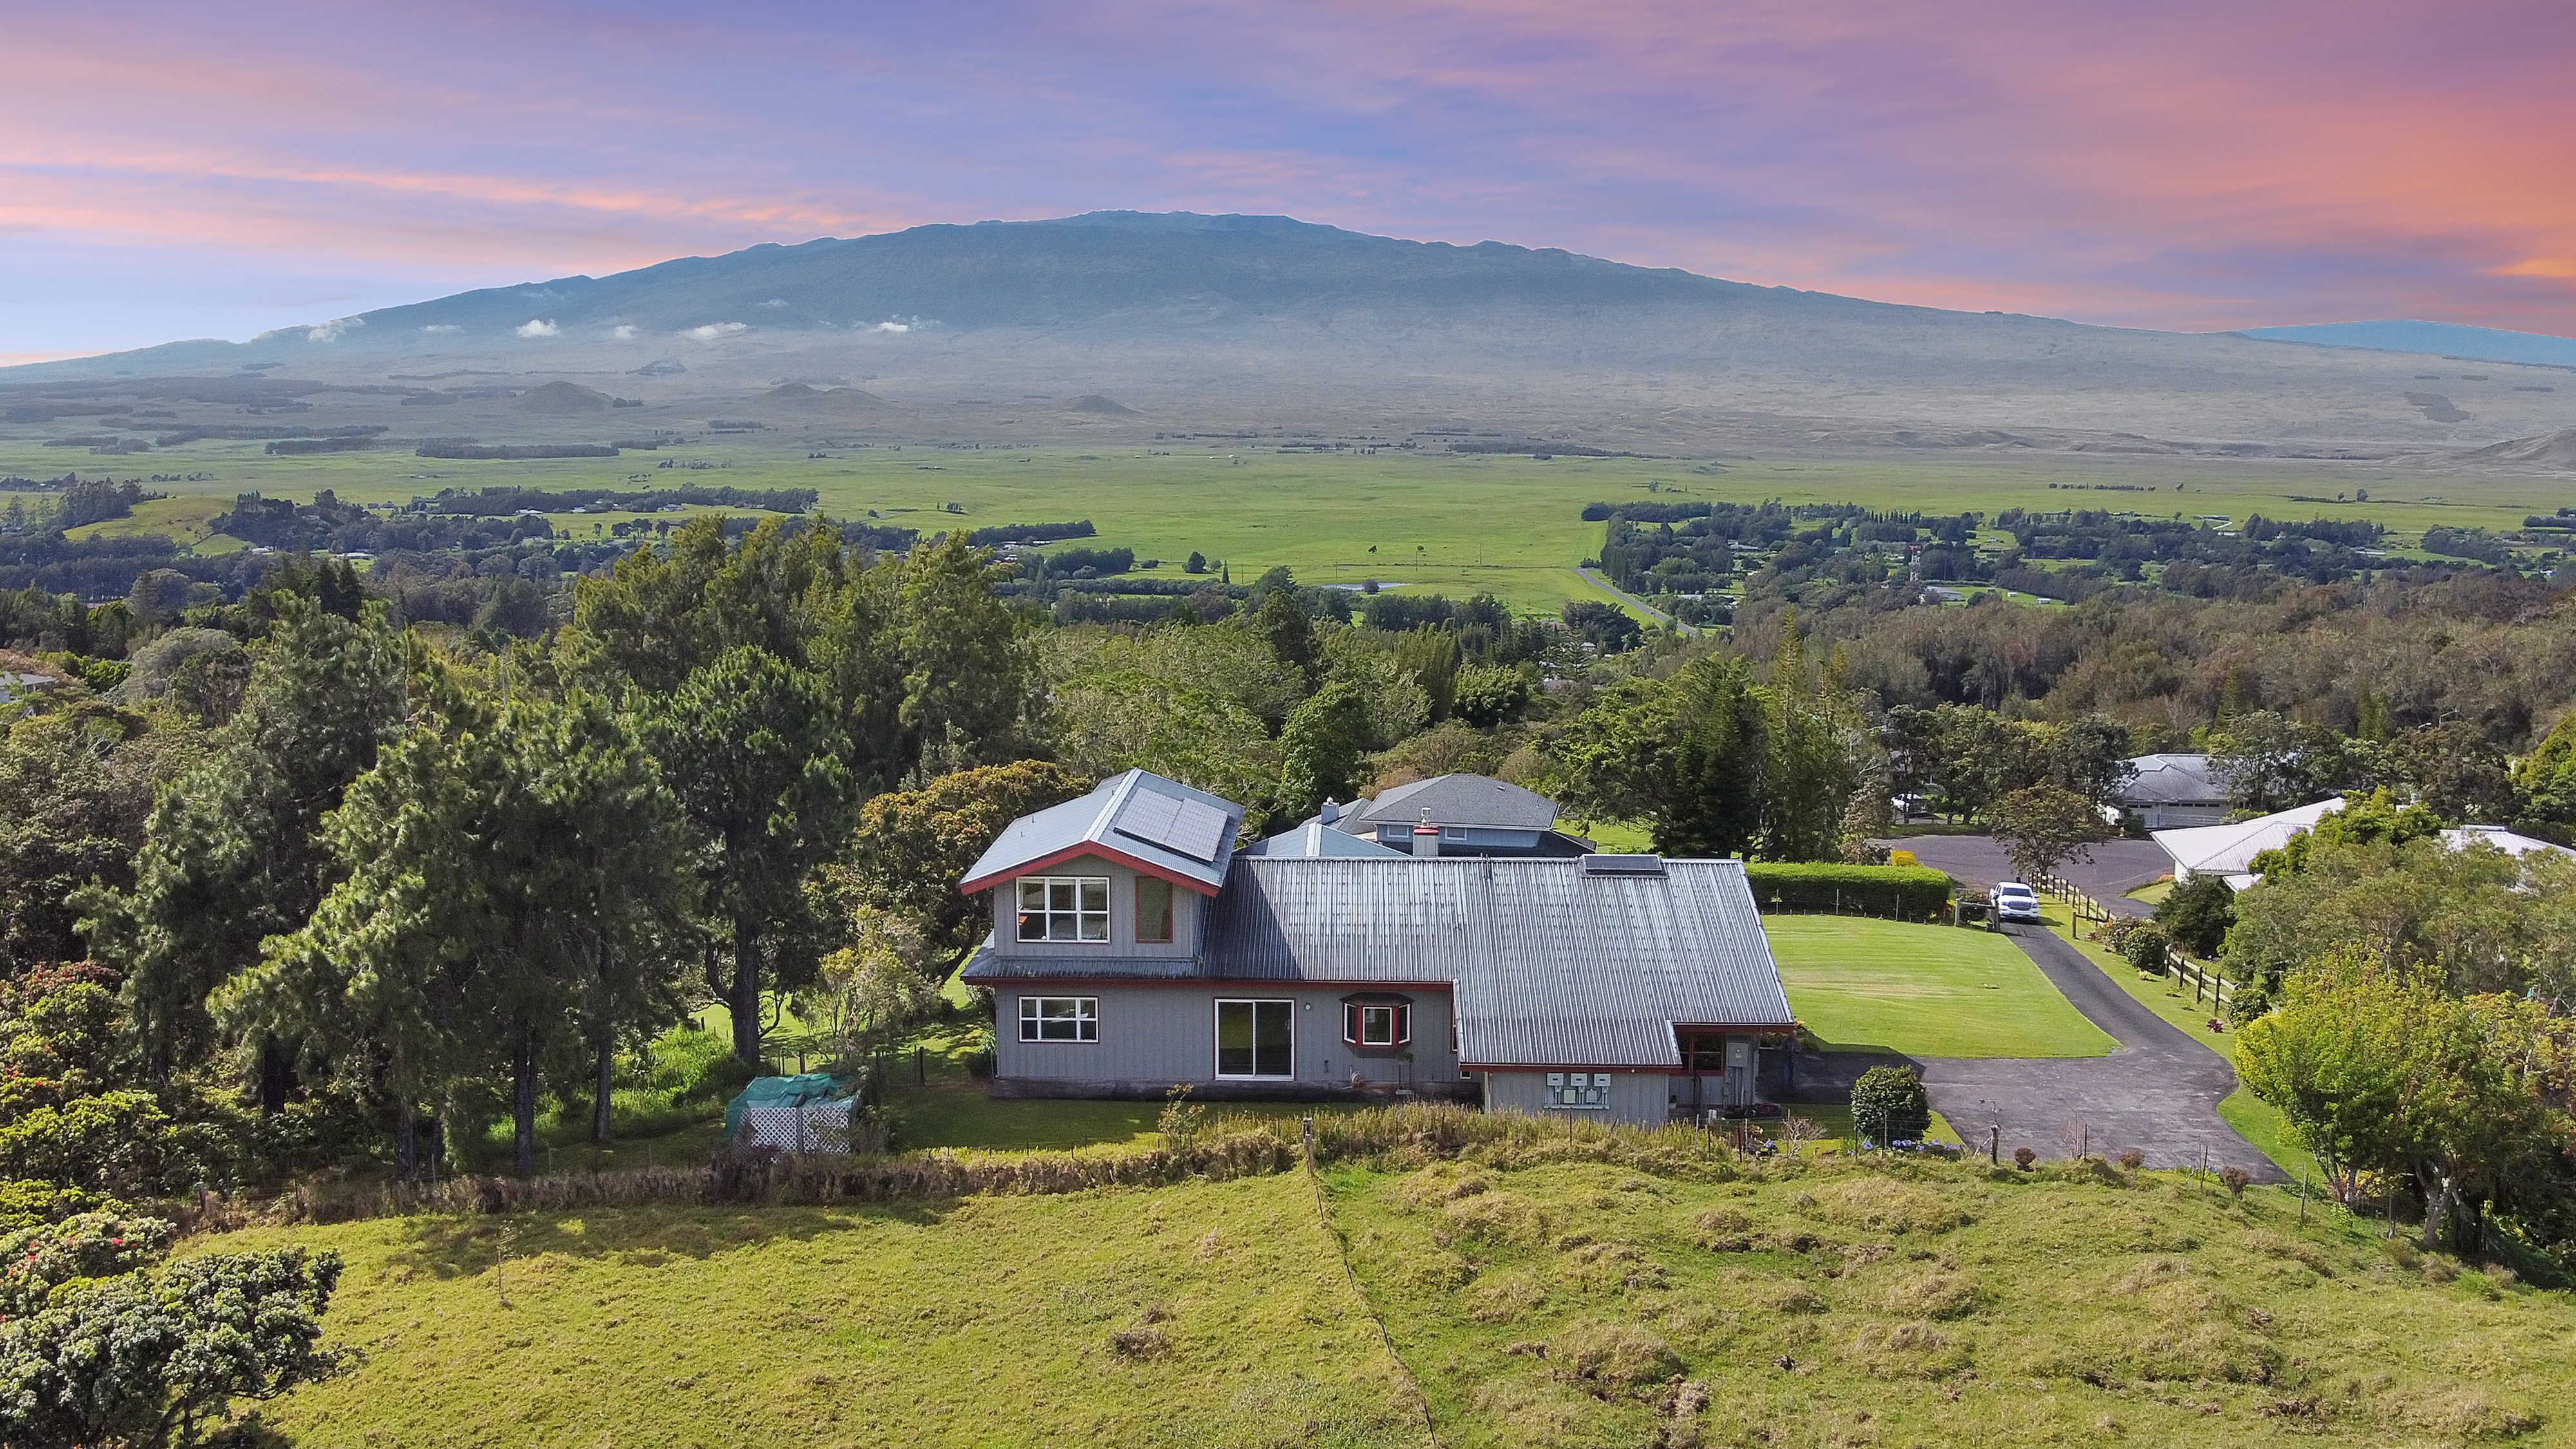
(1064, 908)
(1059, 1018)
(1377, 1024)
(1583, 1091)
(1256, 1039)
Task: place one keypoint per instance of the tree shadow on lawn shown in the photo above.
(641, 1237)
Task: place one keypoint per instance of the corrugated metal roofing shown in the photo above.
(1452, 800)
(1092, 823)
(1552, 966)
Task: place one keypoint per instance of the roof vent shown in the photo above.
(1623, 865)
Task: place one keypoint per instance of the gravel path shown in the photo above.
(2159, 1092)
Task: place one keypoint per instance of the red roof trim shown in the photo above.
(1075, 852)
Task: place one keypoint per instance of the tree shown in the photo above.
(2043, 826)
(1811, 762)
(1603, 625)
(2480, 919)
(2273, 763)
(904, 926)
(98, 1349)
(1713, 805)
(754, 749)
(970, 678)
(2544, 785)
(1889, 1105)
(514, 879)
(2196, 914)
(1488, 695)
(1322, 745)
(76, 788)
(2090, 756)
(233, 851)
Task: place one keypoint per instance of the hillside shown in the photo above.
(1550, 1293)
(1008, 332)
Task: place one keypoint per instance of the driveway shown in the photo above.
(2159, 1092)
(2118, 866)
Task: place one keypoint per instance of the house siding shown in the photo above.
(1152, 1037)
(1188, 910)
(1641, 1099)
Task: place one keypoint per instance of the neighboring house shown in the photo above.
(1134, 949)
(2170, 792)
(2229, 850)
(23, 686)
(1477, 815)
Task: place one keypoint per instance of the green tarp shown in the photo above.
(781, 1092)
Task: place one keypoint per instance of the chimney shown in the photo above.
(1331, 812)
(1426, 839)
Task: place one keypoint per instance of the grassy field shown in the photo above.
(1458, 524)
(1535, 1299)
(1934, 991)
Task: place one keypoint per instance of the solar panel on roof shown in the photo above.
(1623, 865)
(1187, 827)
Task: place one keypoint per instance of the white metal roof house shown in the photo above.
(2174, 791)
(1134, 949)
(2229, 850)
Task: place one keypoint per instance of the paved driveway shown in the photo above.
(2159, 1092)
(2118, 866)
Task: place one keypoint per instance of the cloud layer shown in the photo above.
(2188, 164)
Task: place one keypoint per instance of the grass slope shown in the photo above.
(1538, 1297)
(1935, 991)
(987, 1321)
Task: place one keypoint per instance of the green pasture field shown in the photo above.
(1456, 524)
(1925, 991)
(1529, 1299)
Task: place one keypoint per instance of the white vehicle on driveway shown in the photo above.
(2015, 902)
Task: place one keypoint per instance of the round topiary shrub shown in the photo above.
(1888, 1104)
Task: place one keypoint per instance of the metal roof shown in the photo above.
(2174, 779)
(1315, 838)
(1552, 965)
(1175, 821)
(1452, 800)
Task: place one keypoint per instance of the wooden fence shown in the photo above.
(2203, 979)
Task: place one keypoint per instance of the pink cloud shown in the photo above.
(2186, 165)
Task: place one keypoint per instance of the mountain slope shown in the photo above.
(2440, 339)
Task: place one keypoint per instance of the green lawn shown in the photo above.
(1534, 1297)
(1933, 991)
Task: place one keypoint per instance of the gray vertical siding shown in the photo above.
(1168, 1034)
(1188, 910)
(1637, 1098)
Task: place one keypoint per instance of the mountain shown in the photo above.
(1120, 323)
(2440, 339)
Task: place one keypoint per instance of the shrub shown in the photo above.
(1888, 1104)
(131, 1359)
(38, 1260)
(25, 1204)
(1912, 892)
(2023, 1157)
(113, 1142)
(2133, 1159)
(2236, 1179)
(2197, 913)
(2145, 950)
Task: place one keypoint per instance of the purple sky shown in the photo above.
(174, 171)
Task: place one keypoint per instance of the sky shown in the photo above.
(172, 171)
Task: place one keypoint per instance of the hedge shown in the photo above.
(1912, 892)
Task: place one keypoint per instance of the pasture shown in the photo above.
(1453, 523)
(1535, 1292)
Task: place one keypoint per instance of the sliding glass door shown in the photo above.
(1256, 1039)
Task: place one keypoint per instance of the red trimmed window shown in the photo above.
(1377, 1023)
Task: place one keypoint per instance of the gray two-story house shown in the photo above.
(1133, 949)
